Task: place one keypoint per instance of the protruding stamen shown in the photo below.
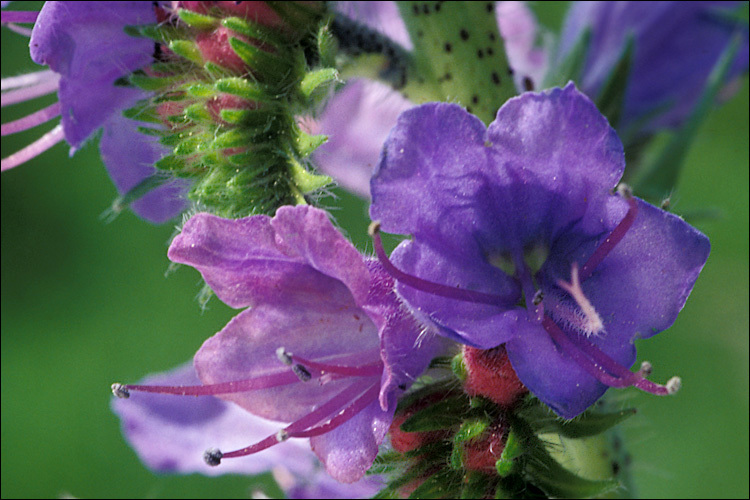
(212, 456)
(617, 234)
(538, 297)
(19, 16)
(601, 360)
(252, 384)
(302, 373)
(358, 405)
(593, 323)
(420, 284)
(284, 356)
(371, 370)
(282, 436)
(120, 391)
(673, 385)
(29, 86)
(34, 149)
(31, 121)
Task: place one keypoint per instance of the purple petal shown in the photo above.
(357, 121)
(552, 375)
(85, 43)
(129, 157)
(246, 348)
(677, 45)
(381, 16)
(349, 450)
(297, 253)
(170, 433)
(518, 28)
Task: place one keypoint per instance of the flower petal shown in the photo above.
(297, 253)
(85, 43)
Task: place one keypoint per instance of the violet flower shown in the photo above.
(324, 343)
(677, 45)
(359, 117)
(171, 434)
(86, 49)
(518, 240)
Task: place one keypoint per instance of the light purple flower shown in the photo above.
(324, 343)
(518, 240)
(359, 117)
(171, 434)
(677, 44)
(86, 49)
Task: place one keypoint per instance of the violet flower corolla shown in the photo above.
(324, 342)
(519, 240)
(676, 45)
(87, 50)
(171, 435)
(358, 117)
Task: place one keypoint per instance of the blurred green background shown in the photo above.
(86, 303)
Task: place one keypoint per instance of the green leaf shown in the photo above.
(444, 484)
(305, 143)
(590, 423)
(170, 162)
(557, 481)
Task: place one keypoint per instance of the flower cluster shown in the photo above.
(529, 270)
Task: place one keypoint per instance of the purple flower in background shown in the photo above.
(171, 434)
(87, 50)
(324, 343)
(677, 45)
(518, 240)
(359, 117)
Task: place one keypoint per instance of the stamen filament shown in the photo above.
(48, 85)
(34, 149)
(617, 234)
(31, 121)
(358, 405)
(307, 421)
(18, 16)
(430, 287)
(371, 370)
(252, 384)
(593, 323)
(28, 79)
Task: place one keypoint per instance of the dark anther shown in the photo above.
(528, 85)
(212, 456)
(301, 372)
(538, 297)
(495, 78)
(120, 391)
(464, 35)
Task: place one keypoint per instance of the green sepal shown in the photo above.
(152, 132)
(590, 423)
(171, 163)
(327, 46)
(187, 49)
(387, 462)
(152, 83)
(611, 98)
(216, 72)
(194, 144)
(199, 89)
(443, 484)
(143, 111)
(158, 33)
(557, 481)
(507, 463)
(321, 79)
(475, 485)
(253, 30)
(171, 140)
(307, 182)
(470, 429)
(305, 143)
(243, 88)
(198, 113)
(459, 367)
(571, 68)
(659, 175)
(197, 20)
(440, 415)
(269, 67)
(134, 194)
(234, 138)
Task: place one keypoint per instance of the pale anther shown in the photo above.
(120, 391)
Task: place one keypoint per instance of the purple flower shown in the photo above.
(677, 45)
(324, 343)
(359, 117)
(87, 50)
(518, 240)
(171, 434)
